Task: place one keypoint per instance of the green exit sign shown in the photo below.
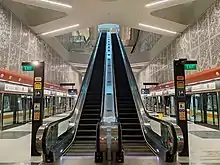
(27, 67)
(190, 66)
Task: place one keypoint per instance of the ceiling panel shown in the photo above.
(186, 13)
(32, 15)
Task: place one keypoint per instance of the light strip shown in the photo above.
(57, 3)
(61, 29)
(157, 3)
(157, 28)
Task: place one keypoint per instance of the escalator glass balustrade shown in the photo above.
(132, 136)
(85, 140)
(76, 133)
(138, 127)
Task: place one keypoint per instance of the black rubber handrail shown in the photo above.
(51, 124)
(169, 124)
(116, 106)
(136, 41)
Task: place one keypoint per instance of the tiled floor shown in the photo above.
(204, 148)
(15, 144)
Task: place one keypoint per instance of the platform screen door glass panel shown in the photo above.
(198, 108)
(212, 109)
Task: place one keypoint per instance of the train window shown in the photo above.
(6, 102)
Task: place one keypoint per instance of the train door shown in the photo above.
(28, 108)
(167, 105)
(54, 105)
(210, 109)
(8, 111)
(20, 109)
(198, 113)
(24, 107)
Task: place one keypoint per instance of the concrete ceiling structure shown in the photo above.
(145, 30)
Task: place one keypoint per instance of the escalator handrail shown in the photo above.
(103, 89)
(132, 78)
(85, 83)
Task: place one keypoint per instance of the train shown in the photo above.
(202, 98)
(16, 97)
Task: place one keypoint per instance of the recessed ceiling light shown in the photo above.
(157, 3)
(57, 3)
(61, 29)
(157, 28)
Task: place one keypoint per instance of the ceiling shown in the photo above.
(141, 43)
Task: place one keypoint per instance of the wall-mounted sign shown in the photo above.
(181, 78)
(36, 111)
(145, 91)
(16, 88)
(38, 79)
(180, 84)
(182, 110)
(38, 85)
(204, 86)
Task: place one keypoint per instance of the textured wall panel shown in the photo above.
(18, 43)
(201, 41)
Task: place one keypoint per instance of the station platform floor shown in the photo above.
(204, 148)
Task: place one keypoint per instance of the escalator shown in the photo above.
(132, 137)
(85, 139)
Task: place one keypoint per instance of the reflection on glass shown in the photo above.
(198, 112)
(7, 110)
(172, 106)
(209, 110)
(191, 110)
(215, 109)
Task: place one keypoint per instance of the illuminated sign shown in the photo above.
(27, 67)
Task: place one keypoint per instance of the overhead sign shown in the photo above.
(38, 85)
(145, 91)
(27, 68)
(16, 88)
(190, 66)
(72, 91)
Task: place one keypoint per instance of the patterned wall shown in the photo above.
(146, 41)
(200, 41)
(18, 43)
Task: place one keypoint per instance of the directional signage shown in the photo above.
(38, 79)
(28, 68)
(36, 111)
(38, 85)
(190, 66)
